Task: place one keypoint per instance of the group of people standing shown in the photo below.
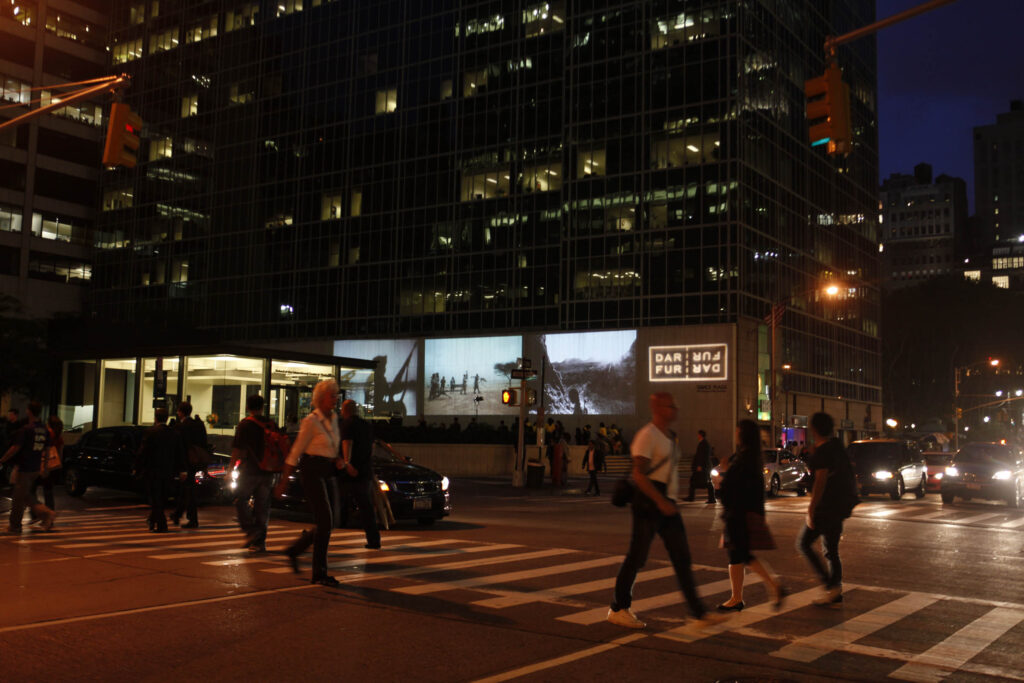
(655, 454)
(170, 454)
(36, 449)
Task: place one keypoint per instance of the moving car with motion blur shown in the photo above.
(937, 462)
(888, 466)
(991, 471)
(106, 457)
(784, 471)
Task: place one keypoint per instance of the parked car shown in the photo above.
(784, 471)
(937, 462)
(991, 471)
(888, 466)
(106, 457)
(414, 491)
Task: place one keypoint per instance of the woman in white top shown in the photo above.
(317, 446)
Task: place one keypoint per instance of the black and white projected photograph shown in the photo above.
(590, 373)
(397, 375)
(465, 376)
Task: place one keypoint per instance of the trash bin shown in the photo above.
(534, 475)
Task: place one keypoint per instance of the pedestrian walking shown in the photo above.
(317, 446)
(355, 470)
(161, 457)
(591, 466)
(700, 469)
(27, 448)
(253, 483)
(832, 499)
(197, 458)
(655, 464)
(51, 462)
(743, 500)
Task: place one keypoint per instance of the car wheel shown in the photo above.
(1015, 497)
(801, 491)
(947, 498)
(774, 486)
(426, 521)
(919, 491)
(73, 483)
(898, 490)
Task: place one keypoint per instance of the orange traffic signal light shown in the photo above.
(828, 111)
(509, 397)
(122, 136)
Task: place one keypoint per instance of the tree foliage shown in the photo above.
(25, 365)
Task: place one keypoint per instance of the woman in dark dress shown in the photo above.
(743, 492)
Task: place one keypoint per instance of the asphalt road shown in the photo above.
(513, 586)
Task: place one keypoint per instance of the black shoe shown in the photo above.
(326, 581)
(690, 499)
(738, 607)
(159, 530)
(372, 546)
(293, 560)
(783, 592)
(176, 520)
(710, 502)
(190, 525)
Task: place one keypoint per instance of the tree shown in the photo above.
(25, 365)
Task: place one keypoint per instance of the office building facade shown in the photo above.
(999, 177)
(49, 166)
(314, 171)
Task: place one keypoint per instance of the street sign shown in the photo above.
(523, 373)
(159, 384)
(525, 363)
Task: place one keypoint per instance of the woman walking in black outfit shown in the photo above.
(742, 494)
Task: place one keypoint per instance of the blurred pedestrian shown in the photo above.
(832, 498)
(27, 448)
(743, 499)
(253, 483)
(317, 445)
(355, 470)
(197, 458)
(591, 467)
(52, 460)
(161, 457)
(655, 465)
(700, 469)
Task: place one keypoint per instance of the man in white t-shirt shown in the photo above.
(655, 464)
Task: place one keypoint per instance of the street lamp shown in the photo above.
(992, 363)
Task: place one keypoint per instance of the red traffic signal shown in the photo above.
(509, 397)
(828, 111)
(123, 132)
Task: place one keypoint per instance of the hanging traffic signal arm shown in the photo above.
(122, 136)
(111, 83)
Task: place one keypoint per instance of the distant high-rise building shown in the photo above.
(921, 223)
(49, 166)
(999, 177)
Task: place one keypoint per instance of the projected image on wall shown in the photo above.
(590, 373)
(460, 371)
(397, 375)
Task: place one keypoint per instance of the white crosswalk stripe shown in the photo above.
(509, 577)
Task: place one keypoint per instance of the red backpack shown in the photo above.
(275, 447)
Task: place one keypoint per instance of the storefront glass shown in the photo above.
(78, 394)
(357, 384)
(218, 385)
(148, 391)
(291, 391)
(117, 392)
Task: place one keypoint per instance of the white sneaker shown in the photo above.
(624, 617)
(710, 619)
(833, 598)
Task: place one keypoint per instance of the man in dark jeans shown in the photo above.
(655, 463)
(193, 437)
(356, 469)
(254, 483)
(161, 456)
(830, 466)
(700, 467)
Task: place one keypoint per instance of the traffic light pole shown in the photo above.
(831, 43)
(519, 471)
(111, 84)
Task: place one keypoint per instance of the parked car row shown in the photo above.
(106, 457)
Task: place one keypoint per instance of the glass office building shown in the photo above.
(320, 170)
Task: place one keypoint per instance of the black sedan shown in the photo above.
(991, 471)
(888, 466)
(413, 491)
(106, 457)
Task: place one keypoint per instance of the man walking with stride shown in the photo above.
(655, 464)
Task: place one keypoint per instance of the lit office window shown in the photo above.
(207, 28)
(118, 198)
(161, 148)
(472, 81)
(239, 93)
(1001, 281)
(330, 206)
(242, 16)
(15, 90)
(446, 89)
(544, 17)
(357, 203)
(679, 150)
(288, 7)
(542, 178)
(484, 185)
(164, 40)
(590, 161)
(179, 270)
(189, 105)
(387, 100)
(10, 219)
(126, 51)
(681, 28)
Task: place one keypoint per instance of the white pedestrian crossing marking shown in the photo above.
(814, 646)
(422, 589)
(1013, 524)
(690, 633)
(516, 598)
(375, 556)
(466, 564)
(956, 650)
(976, 518)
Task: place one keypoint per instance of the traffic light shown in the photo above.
(828, 111)
(509, 397)
(122, 136)
(531, 397)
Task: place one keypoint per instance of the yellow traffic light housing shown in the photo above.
(122, 136)
(828, 111)
(509, 397)
(531, 397)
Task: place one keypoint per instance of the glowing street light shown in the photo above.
(891, 423)
(999, 393)
(986, 419)
(832, 290)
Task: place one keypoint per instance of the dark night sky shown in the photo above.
(939, 75)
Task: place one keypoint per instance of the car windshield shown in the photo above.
(867, 452)
(383, 456)
(936, 458)
(984, 453)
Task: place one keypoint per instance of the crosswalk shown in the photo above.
(572, 587)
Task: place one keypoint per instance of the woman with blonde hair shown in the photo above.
(316, 450)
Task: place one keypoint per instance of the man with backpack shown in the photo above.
(832, 500)
(258, 452)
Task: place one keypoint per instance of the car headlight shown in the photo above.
(883, 474)
(444, 483)
(234, 475)
(384, 487)
(1002, 475)
(938, 475)
(714, 472)
(952, 472)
